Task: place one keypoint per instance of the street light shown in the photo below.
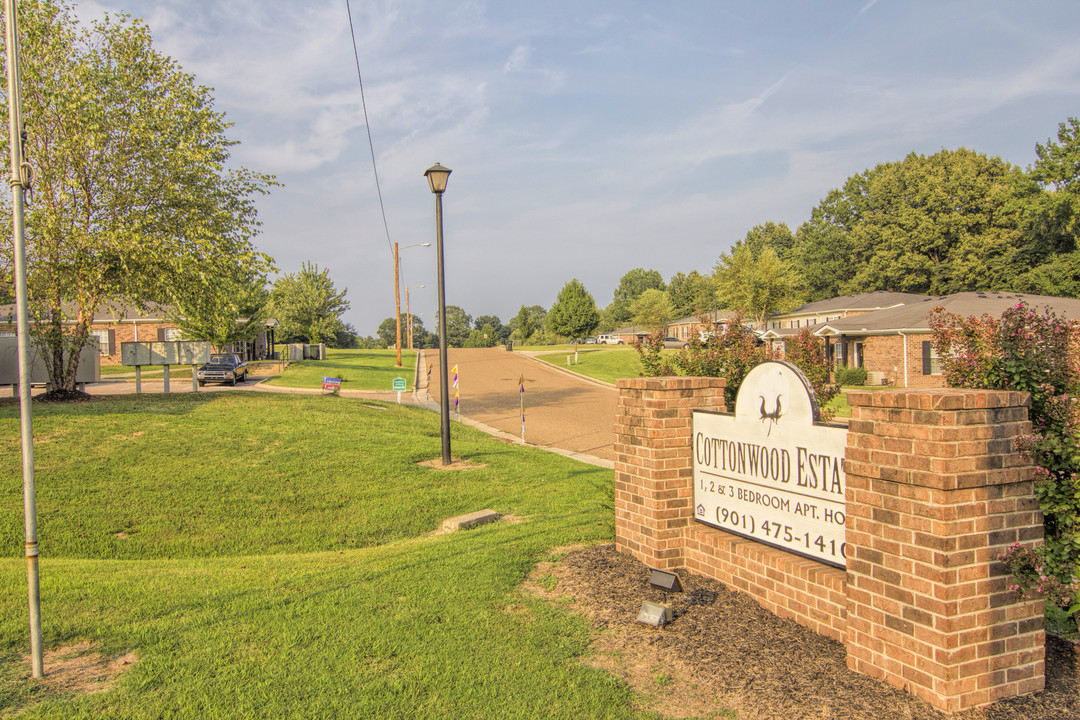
(437, 176)
(397, 296)
(408, 315)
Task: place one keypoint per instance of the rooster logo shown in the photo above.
(772, 417)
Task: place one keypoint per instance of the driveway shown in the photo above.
(563, 411)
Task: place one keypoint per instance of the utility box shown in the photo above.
(89, 370)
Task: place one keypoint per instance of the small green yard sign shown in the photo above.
(399, 384)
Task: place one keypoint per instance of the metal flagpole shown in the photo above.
(26, 425)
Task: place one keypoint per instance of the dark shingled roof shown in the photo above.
(915, 316)
(877, 300)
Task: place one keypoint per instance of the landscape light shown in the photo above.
(654, 614)
(665, 580)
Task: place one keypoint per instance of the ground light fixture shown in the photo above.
(665, 580)
(654, 614)
(437, 176)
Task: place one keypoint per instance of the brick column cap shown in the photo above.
(670, 383)
(938, 399)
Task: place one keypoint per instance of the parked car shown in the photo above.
(673, 343)
(222, 368)
(608, 340)
(589, 341)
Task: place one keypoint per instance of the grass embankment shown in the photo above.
(607, 364)
(358, 370)
(265, 556)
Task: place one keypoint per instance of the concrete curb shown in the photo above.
(571, 373)
(425, 401)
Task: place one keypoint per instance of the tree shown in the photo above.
(307, 306)
(574, 314)
(223, 318)
(691, 295)
(132, 200)
(937, 224)
(630, 288)
(527, 321)
(1052, 253)
(387, 331)
(756, 285)
(652, 310)
(458, 326)
(497, 332)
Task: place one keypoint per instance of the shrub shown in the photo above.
(730, 351)
(1040, 355)
(851, 376)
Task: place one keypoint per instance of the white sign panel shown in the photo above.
(769, 472)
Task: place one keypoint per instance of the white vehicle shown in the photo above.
(608, 340)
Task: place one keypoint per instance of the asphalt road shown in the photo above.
(562, 410)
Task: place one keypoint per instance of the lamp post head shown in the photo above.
(436, 177)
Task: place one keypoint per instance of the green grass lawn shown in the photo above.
(266, 556)
(358, 370)
(607, 364)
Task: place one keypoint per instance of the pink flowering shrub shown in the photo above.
(731, 351)
(1038, 354)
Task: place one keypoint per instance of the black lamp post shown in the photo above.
(437, 176)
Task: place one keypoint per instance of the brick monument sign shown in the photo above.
(884, 536)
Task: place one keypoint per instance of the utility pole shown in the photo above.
(397, 305)
(19, 181)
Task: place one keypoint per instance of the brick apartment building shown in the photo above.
(113, 326)
(886, 333)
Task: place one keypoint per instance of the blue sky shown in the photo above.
(589, 137)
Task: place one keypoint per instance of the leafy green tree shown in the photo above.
(307, 306)
(652, 310)
(1052, 253)
(574, 314)
(692, 294)
(757, 285)
(223, 318)
(935, 224)
(458, 326)
(132, 197)
(631, 286)
(387, 331)
(346, 337)
(497, 332)
(527, 321)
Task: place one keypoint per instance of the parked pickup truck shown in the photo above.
(222, 368)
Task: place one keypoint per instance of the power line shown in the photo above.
(367, 125)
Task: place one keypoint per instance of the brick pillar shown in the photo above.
(935, 492)
(653, 471)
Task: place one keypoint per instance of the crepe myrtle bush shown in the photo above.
(1037, 353)
(731, 350)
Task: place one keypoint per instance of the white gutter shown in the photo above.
(905, 358)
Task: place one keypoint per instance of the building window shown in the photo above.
(171, 334)
(106, 340)
(931, 360)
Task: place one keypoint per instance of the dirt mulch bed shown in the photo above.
(725, 654)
